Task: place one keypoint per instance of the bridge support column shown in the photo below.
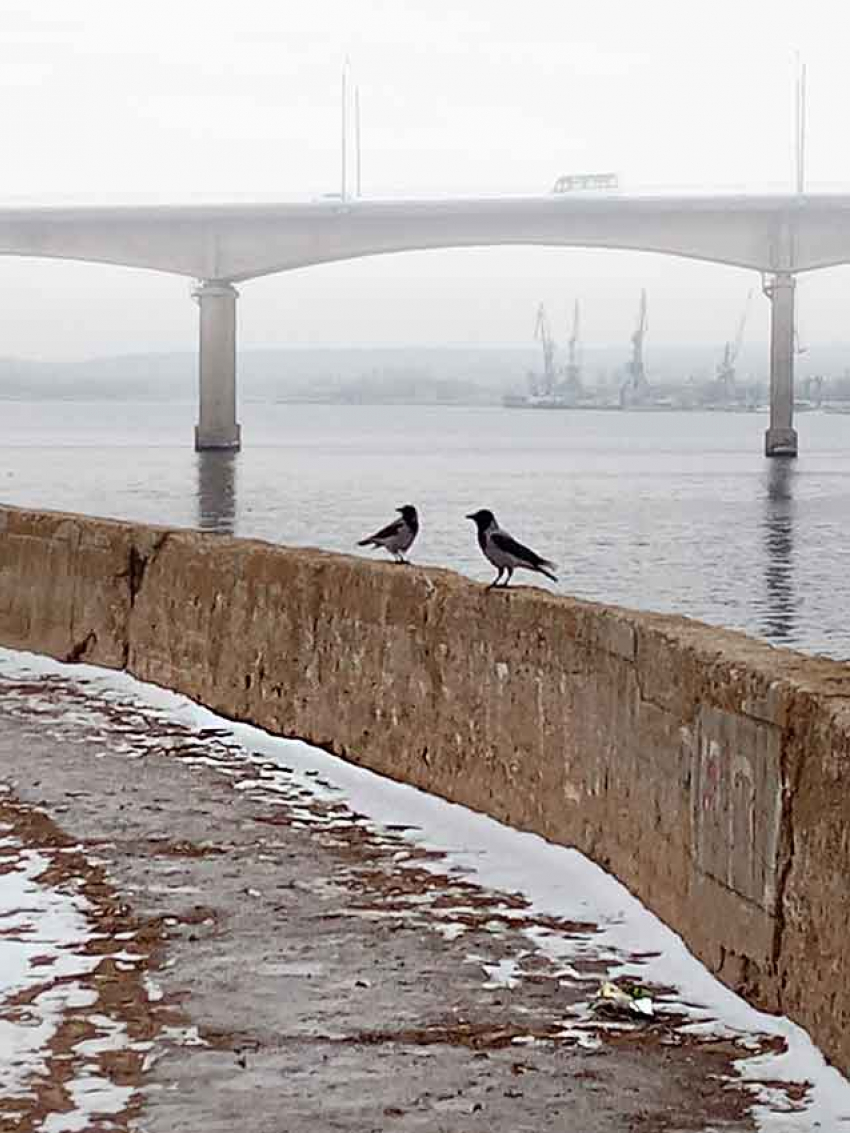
(781, 437)
(217, 427)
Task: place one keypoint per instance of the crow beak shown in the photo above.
(470, 517)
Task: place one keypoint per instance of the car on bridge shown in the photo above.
(583, 182)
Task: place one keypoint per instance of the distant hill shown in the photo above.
(468, 374)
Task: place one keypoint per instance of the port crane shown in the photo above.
(726, 366)
(572, 374)
(799, 345)
(636, 386)
(543, 333)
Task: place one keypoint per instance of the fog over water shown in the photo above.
(195, 101)
(675, 512)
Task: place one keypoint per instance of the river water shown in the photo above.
(676, 512)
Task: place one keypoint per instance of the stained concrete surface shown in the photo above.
(334, 972)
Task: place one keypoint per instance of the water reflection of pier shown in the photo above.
(780, 606)
(217, 491)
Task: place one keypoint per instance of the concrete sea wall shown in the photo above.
(708, 771)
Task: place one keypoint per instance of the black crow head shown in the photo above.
(408, 513)
(482, 519)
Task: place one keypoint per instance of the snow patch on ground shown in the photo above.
(42, 933)
(45, 929)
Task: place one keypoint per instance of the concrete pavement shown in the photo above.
(285, 965)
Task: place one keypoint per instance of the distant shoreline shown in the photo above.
(138, 399)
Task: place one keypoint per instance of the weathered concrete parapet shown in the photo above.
(48, 562)
(710, 772)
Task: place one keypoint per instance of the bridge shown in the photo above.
(222, 245)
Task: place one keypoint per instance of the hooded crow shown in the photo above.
(397, 536)
(504, 552)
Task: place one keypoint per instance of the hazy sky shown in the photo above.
(110, 98)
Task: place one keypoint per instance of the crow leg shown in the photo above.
(495, 581)
(510, 575)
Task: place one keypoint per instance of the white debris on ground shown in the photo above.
(613, 999)
(553, 881)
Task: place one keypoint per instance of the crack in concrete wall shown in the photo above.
(78, 651)
(708, 771)
(139, 558)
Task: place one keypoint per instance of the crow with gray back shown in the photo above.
(506, 553)
(397, 537)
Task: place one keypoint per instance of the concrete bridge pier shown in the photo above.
(217, 427)
(781, 437)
